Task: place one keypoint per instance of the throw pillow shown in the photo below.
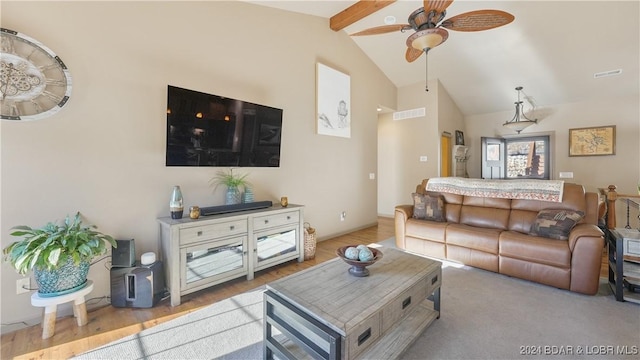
(555, 223)
(428, 207)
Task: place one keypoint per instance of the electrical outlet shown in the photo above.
(23, 285)
(343, 215)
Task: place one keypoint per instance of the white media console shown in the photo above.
(213, 249)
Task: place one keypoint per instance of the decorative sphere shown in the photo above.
(365, 255)
(362, 247)
(352, 253)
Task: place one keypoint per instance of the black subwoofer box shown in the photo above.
(124, 255)
(140, 286)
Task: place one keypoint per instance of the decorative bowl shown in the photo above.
(358, 268)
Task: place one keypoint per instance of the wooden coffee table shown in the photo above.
(324, 312)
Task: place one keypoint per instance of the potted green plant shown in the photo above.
(58, 254)
(233, 182)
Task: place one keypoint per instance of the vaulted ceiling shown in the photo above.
(552, 49)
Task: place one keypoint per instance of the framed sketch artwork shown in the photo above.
(333, 102)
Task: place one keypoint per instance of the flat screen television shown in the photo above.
(211, 130)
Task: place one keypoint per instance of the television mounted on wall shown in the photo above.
(211, 130)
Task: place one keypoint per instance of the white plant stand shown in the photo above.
(50, 305)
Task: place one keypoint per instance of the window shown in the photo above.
(516, 158)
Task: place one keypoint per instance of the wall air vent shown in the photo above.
(607, 73)
(409, 114)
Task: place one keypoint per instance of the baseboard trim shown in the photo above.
(335, 235)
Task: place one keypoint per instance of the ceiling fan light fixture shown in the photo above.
(517, 123)
(427, 39)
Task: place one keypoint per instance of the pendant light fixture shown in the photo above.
(519, 121)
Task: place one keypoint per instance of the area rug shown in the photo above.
(484, 315)
(228, 329)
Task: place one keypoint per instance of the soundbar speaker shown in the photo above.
(124, 255)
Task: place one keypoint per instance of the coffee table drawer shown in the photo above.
(363, 335)
(434, 281)
(404, 303)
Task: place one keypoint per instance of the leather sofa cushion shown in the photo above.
(540, 273)
(424, 229)
(448, 197)
(427, 248)
(452, 212)
(535, 249)
(487, 202)
(521, 220)
(484, 217)
(573, 198)
(472, 257)
(483, 239)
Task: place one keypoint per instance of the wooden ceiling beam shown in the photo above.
(355, 12)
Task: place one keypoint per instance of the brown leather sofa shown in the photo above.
(493, 234)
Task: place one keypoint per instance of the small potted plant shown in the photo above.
(233, 182)
(58, 254)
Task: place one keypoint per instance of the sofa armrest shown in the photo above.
(586, 242)
(585, 231)
(402, 214)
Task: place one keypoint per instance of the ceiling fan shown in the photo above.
(429, 27)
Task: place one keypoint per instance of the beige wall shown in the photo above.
(621, 169)
(594, 172)
(450, 119)
(402, 142)
(104, 153)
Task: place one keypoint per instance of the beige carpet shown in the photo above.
(484, 316)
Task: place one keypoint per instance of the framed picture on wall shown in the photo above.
(591, 141)
(333, 102)
(459, 137)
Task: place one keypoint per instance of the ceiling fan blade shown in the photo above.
(478, 20)
(382, 29)
(438, 5)
(412, 54)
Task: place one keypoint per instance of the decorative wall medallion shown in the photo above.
(34, 82)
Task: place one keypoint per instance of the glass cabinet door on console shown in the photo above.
(213, 262)
(275, 246)
(203, 252)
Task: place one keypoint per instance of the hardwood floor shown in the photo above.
(107, 323)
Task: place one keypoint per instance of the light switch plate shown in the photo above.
(566, 175)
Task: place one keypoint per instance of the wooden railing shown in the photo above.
(612, 196)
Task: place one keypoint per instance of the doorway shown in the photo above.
(445, 154)
(522, 157)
